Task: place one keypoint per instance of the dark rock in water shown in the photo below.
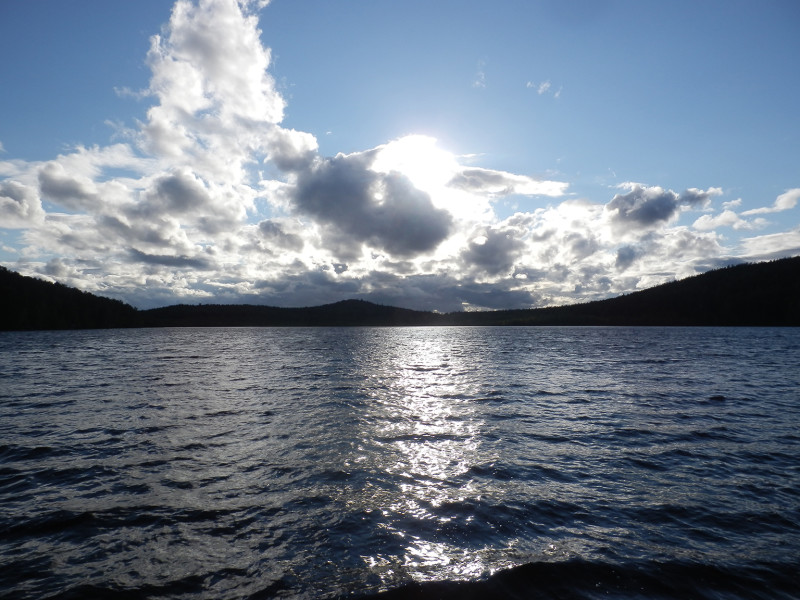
(586, 579)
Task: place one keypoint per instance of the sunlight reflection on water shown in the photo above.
(326, 462)
(428, 432)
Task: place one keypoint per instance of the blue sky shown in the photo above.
(439, 155)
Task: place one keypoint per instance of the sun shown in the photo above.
(432, 169)
(419, 158)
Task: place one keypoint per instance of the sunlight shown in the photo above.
(431, 169)
(417, 157)
(424, 432)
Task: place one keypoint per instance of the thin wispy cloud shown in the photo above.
(785, 201)
(545, 88)
(479, 81)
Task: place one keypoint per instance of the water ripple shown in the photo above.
(453, 462)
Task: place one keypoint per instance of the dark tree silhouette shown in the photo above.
(29, 303)
(762, 294)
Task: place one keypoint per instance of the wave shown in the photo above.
(353, 476)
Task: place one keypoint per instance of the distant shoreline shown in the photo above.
(755, 294)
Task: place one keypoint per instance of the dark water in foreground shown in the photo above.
(321, 463)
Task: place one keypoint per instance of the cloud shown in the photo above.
(291, 150)
(772, 246)
(209, 198)
(732, 204)
(544, 87)
(494, 251)
(726, 218)
(480, 75)
(785, 201)
(212, 59)
(382, 210)
(177, 193)
(180, 262)
(69, 191)
(644, 207)
(216, 107)
(626, 255)
(447, 293)
(276, 235)
(20, 206)
(729, 218)
(697, 198)
(499, 183)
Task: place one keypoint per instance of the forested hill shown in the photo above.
(755, 294)
(761, 294)
(344, 313)
(29, 303)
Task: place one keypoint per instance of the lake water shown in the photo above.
(328, 463)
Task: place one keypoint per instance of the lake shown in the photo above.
(343, 462)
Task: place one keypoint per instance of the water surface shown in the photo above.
(327, 462)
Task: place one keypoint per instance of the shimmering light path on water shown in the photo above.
(236, 463)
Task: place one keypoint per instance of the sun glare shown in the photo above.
(417, 157)
(431, 169)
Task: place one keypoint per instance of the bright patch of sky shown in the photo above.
(437, 155)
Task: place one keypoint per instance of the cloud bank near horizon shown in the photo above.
(209, 198)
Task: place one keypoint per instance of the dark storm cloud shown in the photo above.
(496, 253)
(382, 210)
(274, 233)
(625, 257)
(648, 206)
(644, 206)
(406, 223)
(180, 262)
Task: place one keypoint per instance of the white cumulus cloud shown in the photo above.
(785, 201)
(209, 197)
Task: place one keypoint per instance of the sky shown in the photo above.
(432, 155)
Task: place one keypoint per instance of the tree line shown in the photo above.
(758, 294)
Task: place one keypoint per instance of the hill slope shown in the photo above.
(759, 294)
(344, 313)
(29, 303)
(762, 294)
